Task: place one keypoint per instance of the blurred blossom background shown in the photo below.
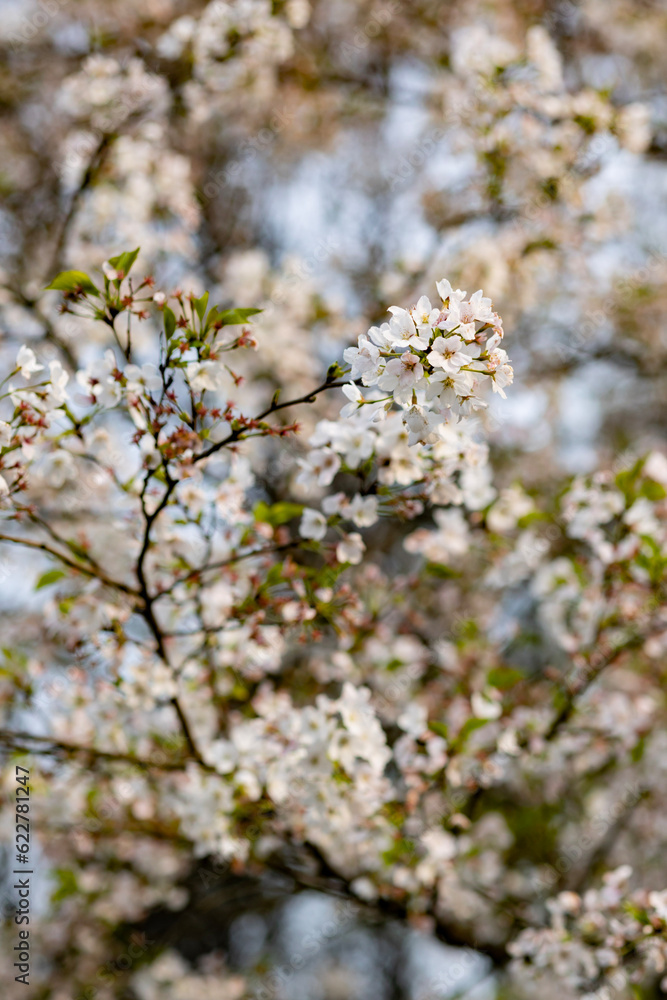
(320, 160)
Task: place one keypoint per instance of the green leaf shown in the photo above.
(240, 692)
(530, 518)
(200, 305)
(274, 577)
(70, 281)
(439, 728)
(213, 314)
(653, 561)
(504, 678)
(67, 884)
(51, 576)
(216, 317)
(278, 513)
(328, 575)
(169, 321)
(469, 727)
(627, 481)
(465, 630)
(124, 261)
(401, 850)
(438, 569)
(234, 317)
(653, 491)
(262, 512)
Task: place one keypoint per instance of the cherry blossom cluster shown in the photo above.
(235, 51)
(541, 139)
(322, 767)
(590, 935)
(432, 361)
(429, 366)
(270, 638)
(211, 597)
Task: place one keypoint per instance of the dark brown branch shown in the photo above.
(86, 570)
(92, 170)
(147, 607)
(331, 882)
(51, 745)
(577, 879)
(50, 334)
(575, 691)
(149, 599)
(193, 574)
(236, 435)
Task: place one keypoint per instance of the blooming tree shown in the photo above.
(251, 670)
(292, 599)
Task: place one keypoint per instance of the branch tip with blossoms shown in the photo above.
(207, 595)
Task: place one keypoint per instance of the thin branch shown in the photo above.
(87, 571)
(574, 692)
(236, 435)
(577, 879)
(187, 732)
(50, 334)
(330, 881)
(76, 550)
(193, 574)
(51, 745)
(92, 170)
(149, 614)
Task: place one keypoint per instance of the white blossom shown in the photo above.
(351, 549)
(27, 362)
(319, 468)
(313, 524)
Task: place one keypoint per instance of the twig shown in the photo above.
(235, 435)
(87, 571)
(49, 330)
(50, 745)
(193, 574)
(92, 170)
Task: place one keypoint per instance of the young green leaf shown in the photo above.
(71, 281)
(169, 321)
(200, 305)
(234, 317)
(213, 316)
(278, 513)
(469, 726)
(124, 261)
(51, 576)
(504, 678)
